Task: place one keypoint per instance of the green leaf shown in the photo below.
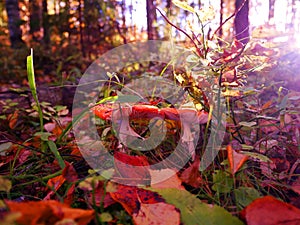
(245, 195)
(43, 135)
(183, 5)
(56, 153)
(128, 98)
(255, 155)
(106, 217)
(193, 211)
(32, 85)
(223, 183)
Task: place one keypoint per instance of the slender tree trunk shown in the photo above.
(35, 18)
(271, 10)
(221, 17)
(151, 18)
(241, 20)
(45, 23)
(14, 21)
(81, 29)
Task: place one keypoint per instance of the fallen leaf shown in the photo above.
(157, 214)
(270, 211)
(132, 197)
(236, 160)
(13, 119)
(48, 212)
(165, 178)
(193, 211)
(191, 175)
(68, 174)
(5, 184)
(131, 170)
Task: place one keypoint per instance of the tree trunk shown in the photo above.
(221, 18)
(45, 23)
(35, 18)
(271, 10)
(151, 18)
(81, 29)
(241, 20)
(14, 21)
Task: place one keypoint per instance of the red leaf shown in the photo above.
(191, 175)
(131, 198)
(132, 169)
(70, 173)
(270, 211)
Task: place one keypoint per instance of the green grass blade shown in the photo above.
(32, 85)
(55, 151)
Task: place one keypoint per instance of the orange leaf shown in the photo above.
(236, 160)
(48, 212)
(270, 211)
(165, 178)
(13, 118)
(68, 174)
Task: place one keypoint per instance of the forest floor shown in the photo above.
(255, 178)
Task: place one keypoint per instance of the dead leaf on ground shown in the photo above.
(132, 170)
(165, 178)
(68, 174)
(132, 197)
(236, 160)
(191, 175)
(270, 211)
(48, 212)
(157, 214)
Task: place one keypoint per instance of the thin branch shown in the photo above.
(185, 33)
(230, 17)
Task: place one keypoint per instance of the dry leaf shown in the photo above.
(157, 214)
(48, 212)
(191, 175)
(236, 160)
(270, 211)
(131, 169)
(165, 178)
(132, 197)
(13, 119)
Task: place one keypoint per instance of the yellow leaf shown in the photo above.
(183, 5)
(5, 184)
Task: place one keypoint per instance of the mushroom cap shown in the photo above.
(139, 111)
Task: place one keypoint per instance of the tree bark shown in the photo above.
(221, 18)
(35, 18)
(271, 9)
(14, 21)
(241, 21)
(45, 23)
(151, 18)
